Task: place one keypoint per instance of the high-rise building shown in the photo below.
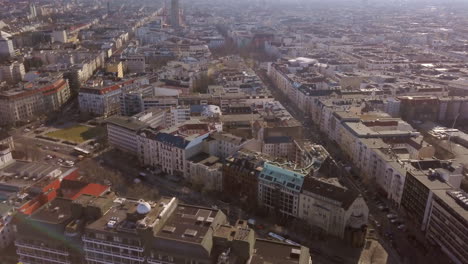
(32, 10)
(6, 45)
(175, 13)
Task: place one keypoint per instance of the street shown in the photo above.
(401, 245)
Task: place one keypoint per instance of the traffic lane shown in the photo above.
(45, 147)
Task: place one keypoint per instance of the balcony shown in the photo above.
(115, 254)
(104, 261)
(21, 244)
(112, 244)
(38, 256)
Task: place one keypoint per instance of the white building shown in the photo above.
(122, 133)
(100, 101)
(205, 170)
(280, 147)
(222, 144)
(170, 149)
(333, 208)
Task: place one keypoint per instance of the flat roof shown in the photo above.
(188, 223)
(126, 122)
(442, 194)
(271, 252)
(57, 211)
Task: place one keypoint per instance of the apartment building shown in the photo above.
(100, 100)
(422, 181)
(12, 72)
(122, 132)
(240, 176)
(279, 146)
(338, 211)
(222, 144)
(279, 189)
(447, 226)
(43, 95)
(169, 149)
(132, 101)
(205, 170)
(134, 63)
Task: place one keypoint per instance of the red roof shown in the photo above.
(92, 189)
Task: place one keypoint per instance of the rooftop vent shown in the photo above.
(169, 229)
(190, 233)
(112, 224)
(200, 220)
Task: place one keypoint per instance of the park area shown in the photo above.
(77, 134)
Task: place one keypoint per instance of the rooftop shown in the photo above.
(271, 252)
(126, 122)
(188, 223)
(452, 203)
(278, 175)
(56, 211)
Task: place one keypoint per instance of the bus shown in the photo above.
(81, 151)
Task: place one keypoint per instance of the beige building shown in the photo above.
(115, 67)
(41, 96)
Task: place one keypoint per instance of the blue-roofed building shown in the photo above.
(279, 188)
(170, 149)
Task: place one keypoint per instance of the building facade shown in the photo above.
(42, 96)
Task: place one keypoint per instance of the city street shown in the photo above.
(398, 243)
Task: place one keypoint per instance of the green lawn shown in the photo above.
(77, 134)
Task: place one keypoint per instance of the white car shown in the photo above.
(392, 216)
(401, 227)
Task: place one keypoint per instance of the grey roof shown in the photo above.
(126, 122)
(345, 196)
(176, 141)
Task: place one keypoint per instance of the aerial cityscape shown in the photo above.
(233, 131)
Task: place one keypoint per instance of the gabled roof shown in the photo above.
(331, 191)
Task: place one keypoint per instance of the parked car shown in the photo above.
(392, 216)
(401, 227)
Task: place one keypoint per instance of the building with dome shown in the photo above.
(112, 229)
